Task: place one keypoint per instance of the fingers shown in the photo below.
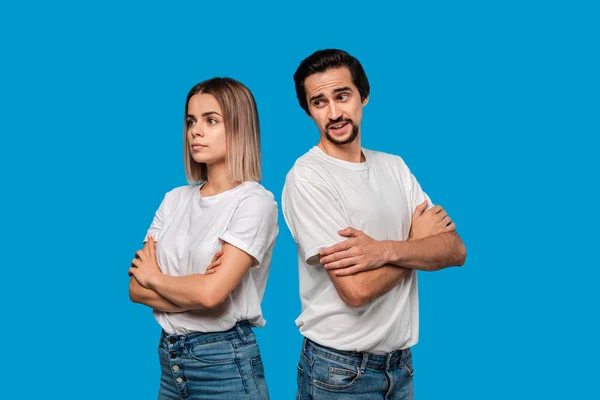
(131, 271)
(145, 249)
(338, 256)
(217, 255)
(151, 247)
(436, 209)
(346, 262)
(450, 227)
(355, 269)
(212, 267)
(345, 245)
(349, 232)
(442, 214)
(420, 209)
(141, 255)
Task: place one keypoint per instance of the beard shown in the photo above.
(349, 139)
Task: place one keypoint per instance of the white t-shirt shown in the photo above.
(322, 195)
(190, 229)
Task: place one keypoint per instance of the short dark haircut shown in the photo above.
(321, 61)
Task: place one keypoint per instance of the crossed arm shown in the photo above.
(163, 292)
(363, 268)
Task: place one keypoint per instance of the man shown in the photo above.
(350, 212)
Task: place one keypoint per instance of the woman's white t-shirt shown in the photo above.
(190, 229)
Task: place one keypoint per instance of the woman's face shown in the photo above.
(206, 130)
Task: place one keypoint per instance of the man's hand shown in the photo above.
(431, 222)
(144, 266)
(358, 253)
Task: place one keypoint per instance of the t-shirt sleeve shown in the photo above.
(157, 222)
(314, 216)
(415, 193)
(253, 227)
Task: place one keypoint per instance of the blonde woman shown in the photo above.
(204, 266)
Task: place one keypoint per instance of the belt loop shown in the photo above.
(241, 333)
(304, 343)
(363, 364)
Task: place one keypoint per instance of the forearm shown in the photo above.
(429, 254)
(191, 291)
(148, 297)
(363, 287)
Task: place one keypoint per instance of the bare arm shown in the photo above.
(363, 287)
(428, 254)
(148, 297)
(196, 290)
(353, 265)
(142, 295)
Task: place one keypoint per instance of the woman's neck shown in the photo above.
(217, 181)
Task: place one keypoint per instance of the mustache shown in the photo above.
(337, 121)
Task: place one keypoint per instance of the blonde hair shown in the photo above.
(242, 131)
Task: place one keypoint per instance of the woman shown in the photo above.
(204, 266)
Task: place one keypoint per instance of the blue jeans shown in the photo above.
(328, 374)
(216, 365)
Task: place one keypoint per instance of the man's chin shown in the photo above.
(341, 140)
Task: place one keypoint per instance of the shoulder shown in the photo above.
(309, 168)
(255, 195)
(179, 193)
(384, 158)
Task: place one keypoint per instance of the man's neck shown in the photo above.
(350, 152)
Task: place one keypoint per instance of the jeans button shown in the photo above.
(173, 355)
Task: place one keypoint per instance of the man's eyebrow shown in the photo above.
(319, 96)
(336, 90)
(342, 89)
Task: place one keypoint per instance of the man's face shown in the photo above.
(335, 105)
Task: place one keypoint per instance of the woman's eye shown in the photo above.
(212, 121)
(191, 122)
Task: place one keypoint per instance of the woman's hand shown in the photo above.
(145, 265)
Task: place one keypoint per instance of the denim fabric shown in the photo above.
(328, 374)
(216, 365)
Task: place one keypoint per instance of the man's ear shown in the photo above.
(365, 101)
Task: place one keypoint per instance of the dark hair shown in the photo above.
(322, 60)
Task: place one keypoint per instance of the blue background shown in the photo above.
(493, 105)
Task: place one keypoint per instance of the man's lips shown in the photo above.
(338, 126)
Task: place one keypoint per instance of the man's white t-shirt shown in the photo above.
(323, 195)
(190, 229)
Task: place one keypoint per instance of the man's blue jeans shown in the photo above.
(217, 365)
(328, 374)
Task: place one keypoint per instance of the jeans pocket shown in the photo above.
(299, 380)
(213, 353)
(334, 375)
(406, 364)
(258, 373)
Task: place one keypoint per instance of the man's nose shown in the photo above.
(334, 112)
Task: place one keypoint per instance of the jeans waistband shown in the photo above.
(361, 359)
(242, 330)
